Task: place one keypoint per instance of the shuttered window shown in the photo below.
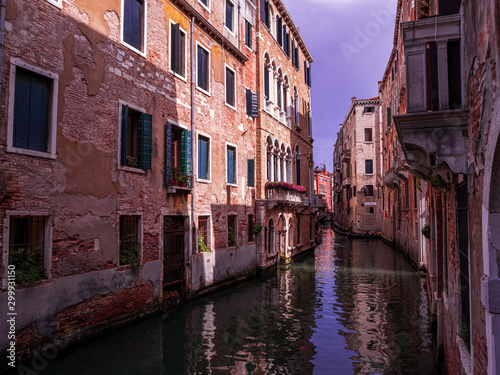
(389, 116)
(133, 23)
(231, 165)
(267, 78)
(31, 111)
(251, 172)
(203, 158)
(279, 26)
(202, 79)
(230, 89)
(136, 138)
(177, 47)
(267, 16)
(229, 15)
(248, 34)
(294, 62)
(178, 146)
(252, 103)
(297, 166)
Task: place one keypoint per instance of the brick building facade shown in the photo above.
(132, 164)
(323, 186)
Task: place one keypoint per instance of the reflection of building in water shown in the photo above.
(374, 298)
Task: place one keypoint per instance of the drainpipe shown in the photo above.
(2, 38)
(193, 225)
(239, 25)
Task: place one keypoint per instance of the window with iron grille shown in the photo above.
(27, 247)
(129, 240)
(203, 230)
(232, 234)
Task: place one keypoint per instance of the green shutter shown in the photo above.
(168, 154)
(186, 162)
(144, 141)
(123, 158)
(251, 172)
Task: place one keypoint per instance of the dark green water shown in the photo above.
(352, 307)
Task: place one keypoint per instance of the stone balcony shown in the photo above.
(346, 155)
(433, 131)
(276, 197)
(390, 178)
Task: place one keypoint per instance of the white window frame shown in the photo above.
(121, 103)
(139, 235)
(235, 24)
(52, 131)
(204, 135)
(245, 36)
(209, 68)
(207, 7)
(235, 163)
(56, 3)
(47, 252)
(234, 88)
(145, 30)
(183, 77)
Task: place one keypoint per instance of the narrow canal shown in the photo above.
(351, 307)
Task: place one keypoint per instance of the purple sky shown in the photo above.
(351, 42)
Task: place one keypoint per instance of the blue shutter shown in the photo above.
(202, 159)
(124, 139)
(251, 172)
(144, 141)
(186, 162)
(168, 154)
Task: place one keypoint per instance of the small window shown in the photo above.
(250, 228)
(203, 232)
(279, 26)
(251, 172)
(203, 158)
(232, 237)
(177, 48)
(354, 190)
(368, 166)
(229, 15)
(369, 109)
(203, 61)
(368, 135)
(133, 23)
(27, 247)
(370, 210)
(136, 135)
(231, 165)
(230, 87)
(368, 190)
(129, 240)
(248, 34)
(204, 2)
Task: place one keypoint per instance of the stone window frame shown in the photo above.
(121, 103)
(144, 31)
(235, 23)
(198, 44)
(169, 37)
(140, 235)
(235, 147)
(206, 6)
(47, 251)
(226, 67)
(56, 3)
(209, 161)
(52, 131)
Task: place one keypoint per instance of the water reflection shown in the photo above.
(352, 307)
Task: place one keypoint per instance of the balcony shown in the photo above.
(433, 132)
(317, 203)
(180, 183)
(285, 197)
(346, 182)
(390, 178)
(346, 155)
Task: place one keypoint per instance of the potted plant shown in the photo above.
(202, 247)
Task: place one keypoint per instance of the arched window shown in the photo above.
(289, 165)
(296, 106)
(282, 163)
(267, 76)
(269, 149)
(279, 89)
(297, 165)
(286, 100)
(276, 160)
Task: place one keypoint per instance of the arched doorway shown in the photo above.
(281, 238)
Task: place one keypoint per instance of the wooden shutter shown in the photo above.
(293, 52)
(309, 75)
(255, 105)
(389, 116)
(230, 87)
(297, 57)
(251, 172)
(202, 158)
(279, 26)
(124, 135)
(298, 171)
(176, 49)
(168, 154)
(144, 140)
(305, 70)
(186, 147)
(249, 102)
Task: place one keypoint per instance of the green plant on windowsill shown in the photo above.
(129, 253)
(202, 247)
(257, 229)
(231, 239)
(132, 161)
(179, 178)
(426, 231)
(28, 263)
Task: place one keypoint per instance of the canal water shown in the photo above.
(354, 306)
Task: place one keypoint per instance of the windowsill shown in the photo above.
(207, 93)
(57, 4)
(230, 106)
(232, 185)
(27, 152)
(228, 29)
(249, 48)
(201, 180)
(133, 49)
(131, 169)
(369, 174)
(177, 75)
(205, 6)
(368, 141)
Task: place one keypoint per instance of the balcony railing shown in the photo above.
(287, 197)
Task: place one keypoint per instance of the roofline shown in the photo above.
(395, 44)
(284, 12)
(356, 102)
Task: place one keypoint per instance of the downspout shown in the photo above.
(2, 38)
(239, 25)
(193, 226)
